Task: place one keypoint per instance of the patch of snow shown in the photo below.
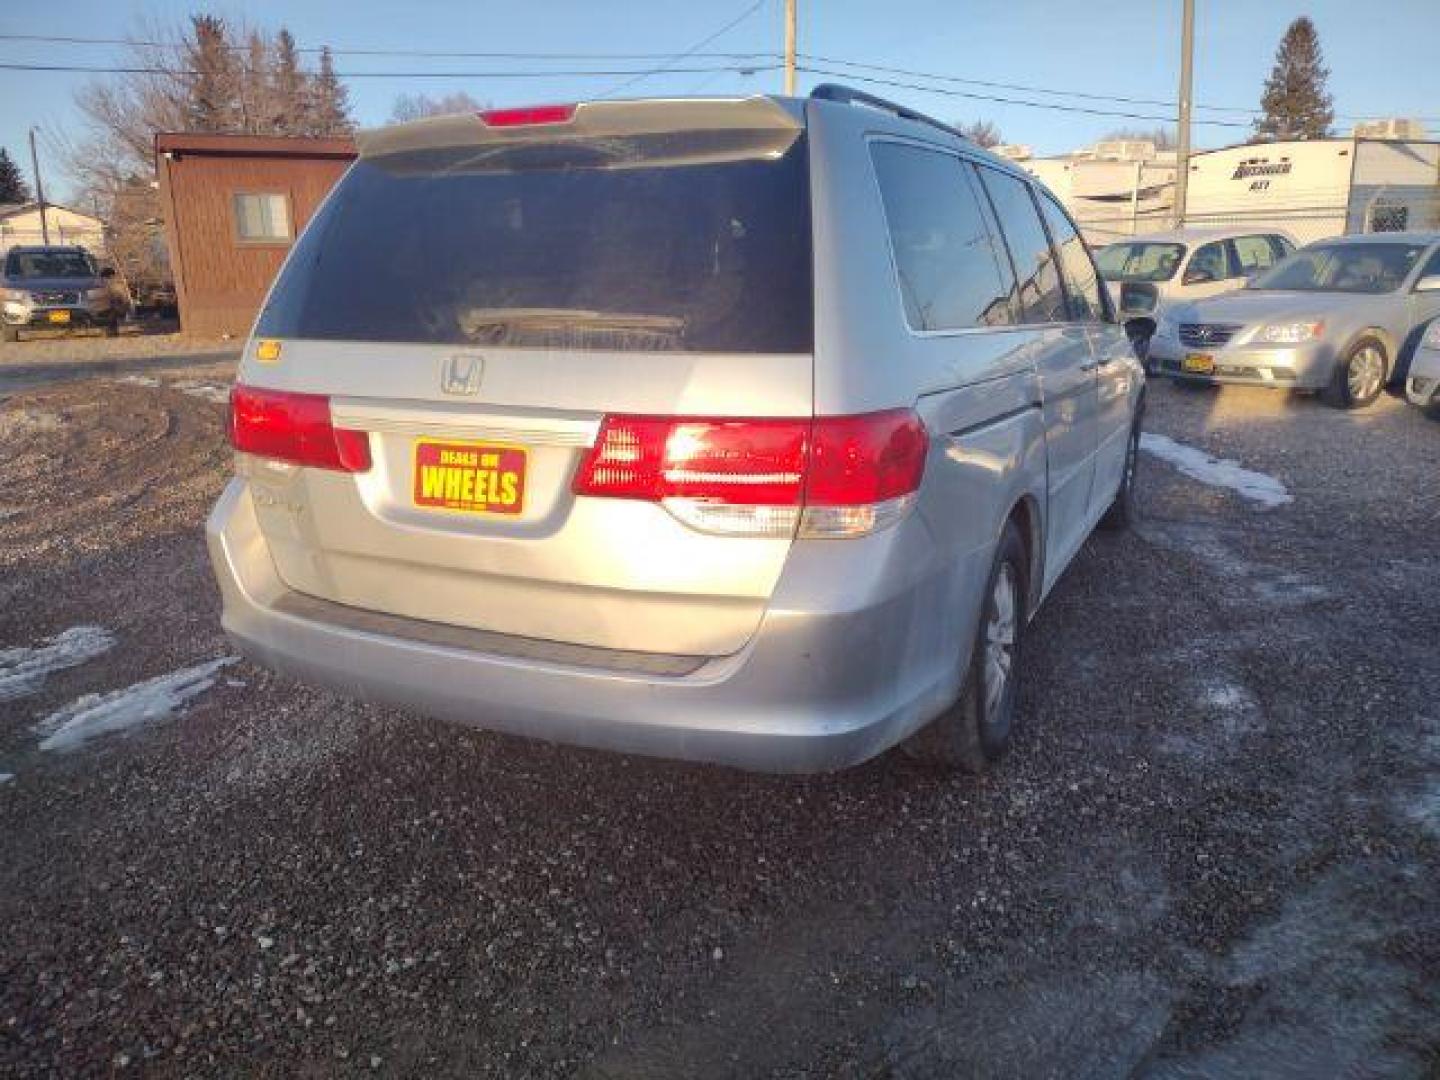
(23, 670)
(213, 392)
(140, 380)
(120, 710)
(1218, 472)
(6, 777)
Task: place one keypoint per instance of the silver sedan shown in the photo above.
(1337, 317)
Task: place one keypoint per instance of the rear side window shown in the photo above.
(1077, 269)
(466, 247)
(1210, 263)
(952, 276)
(1252, 254)
(1041, 297)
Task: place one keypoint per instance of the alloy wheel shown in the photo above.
(1000, 626)
(1366, 376)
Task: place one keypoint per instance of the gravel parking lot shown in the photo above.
(1214, 851)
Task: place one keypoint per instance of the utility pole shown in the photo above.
(39, 190)
(1182, 151)
(790, 46)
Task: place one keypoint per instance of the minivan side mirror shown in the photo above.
(1428, 283)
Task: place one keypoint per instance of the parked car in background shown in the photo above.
(1337, 316)
(1422, 384)
(1147, 274)
(56, 288)
(747, 431)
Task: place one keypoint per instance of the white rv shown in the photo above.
(1318, 188)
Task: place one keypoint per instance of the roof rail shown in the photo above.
(848, 95)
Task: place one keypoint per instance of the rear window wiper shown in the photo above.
(499, 325)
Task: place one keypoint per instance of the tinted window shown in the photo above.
(1252, 253)
(580, 246)
(1140, 261)
(1349, 268)
(1210, 263)
(1041, 297)
(1077, 271)
(951, 274)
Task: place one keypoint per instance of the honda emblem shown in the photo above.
(461, 375)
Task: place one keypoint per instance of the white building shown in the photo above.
(1115, 188)
(1384, 177)
(20, 225)
(1319, 187)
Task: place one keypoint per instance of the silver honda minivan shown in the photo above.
(749, 431)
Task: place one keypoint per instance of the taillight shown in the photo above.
(294, 428)
(527, 115)
(831, 476)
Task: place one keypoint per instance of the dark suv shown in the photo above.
(56, 288)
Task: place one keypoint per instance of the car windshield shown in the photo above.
(20, 265)
(540, 249)
(1140, 261)
(1349, 268)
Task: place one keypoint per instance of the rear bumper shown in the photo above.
(813, 690)
(1295, 367)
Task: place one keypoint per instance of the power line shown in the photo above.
(441, 54)
(744, 69)
(635, 76)
(1089, 96)
(1052, 105)
(688, 52)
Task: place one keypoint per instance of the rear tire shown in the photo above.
(1360, 376)
(975, 731)
(1124, 512)
(112, 328)
(9, 333)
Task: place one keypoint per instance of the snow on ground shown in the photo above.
(6, 777)
(213, 392)
(23, 670)
(140, 380)
(120, 710)
(1218, 472)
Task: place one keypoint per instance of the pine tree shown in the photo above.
(291, 89)
(13, 188)
(330, 101)
(213, 104)
(1295, 101)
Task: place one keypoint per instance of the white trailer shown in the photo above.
(1318, 188)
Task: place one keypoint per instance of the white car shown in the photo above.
(1148, 273)
(1422, 385)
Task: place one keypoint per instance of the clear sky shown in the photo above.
(1381, 53)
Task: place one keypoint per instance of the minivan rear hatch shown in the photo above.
(476, 296)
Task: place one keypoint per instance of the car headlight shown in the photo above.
(1291, 333)
(1431, 340)
(18, 296)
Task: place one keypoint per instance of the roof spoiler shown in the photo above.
(587, 120)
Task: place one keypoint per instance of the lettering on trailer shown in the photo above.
(1257, 167)
(469, 477)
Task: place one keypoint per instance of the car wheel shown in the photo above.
(1124, 512)
(9, 333)
(112, 328)
(1360, 375)
(975, 731)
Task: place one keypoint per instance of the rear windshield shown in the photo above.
(1139, 262)
(49, 264)
(463, 247)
